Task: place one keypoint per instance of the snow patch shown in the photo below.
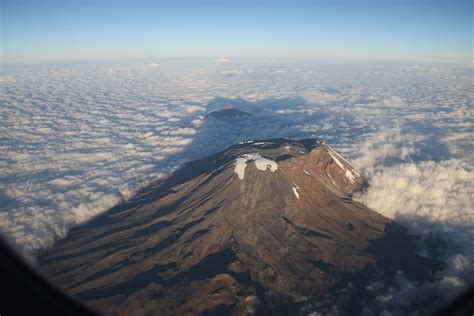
(246, 142)
(350, 172)
(261, 163)
(295, 191)
(240, 164)
(350, 176)
(339, 163)
(332, 180)
(307, 173)
(338, 158)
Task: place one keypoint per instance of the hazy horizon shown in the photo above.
(405, 31)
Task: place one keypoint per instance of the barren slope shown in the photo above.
(262, 227)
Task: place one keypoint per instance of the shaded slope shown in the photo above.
(268, 235)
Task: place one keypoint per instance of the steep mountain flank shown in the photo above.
(264, 227)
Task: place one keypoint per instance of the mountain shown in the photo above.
(263, 227)
(228, 112)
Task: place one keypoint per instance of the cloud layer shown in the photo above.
(76, 141)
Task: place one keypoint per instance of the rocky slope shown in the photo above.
(264, 227)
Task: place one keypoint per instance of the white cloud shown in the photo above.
(181, 131)
(232, 72)
(438, 192)
(198, 121)
(271, 60)
(191, 109)
(67, 155)
(223, 60)
(386, 102)
(402, 295)
(431, 198)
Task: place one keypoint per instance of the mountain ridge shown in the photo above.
(262, 227)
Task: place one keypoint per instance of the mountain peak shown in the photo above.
(312, 157)
(228, 112)
(261, 227)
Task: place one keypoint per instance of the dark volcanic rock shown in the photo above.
(263, 227)
(228, 112)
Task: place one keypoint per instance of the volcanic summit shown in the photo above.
(263, 227)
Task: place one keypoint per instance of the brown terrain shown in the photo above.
(264, 227)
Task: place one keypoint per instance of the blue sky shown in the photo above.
(401, 30)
